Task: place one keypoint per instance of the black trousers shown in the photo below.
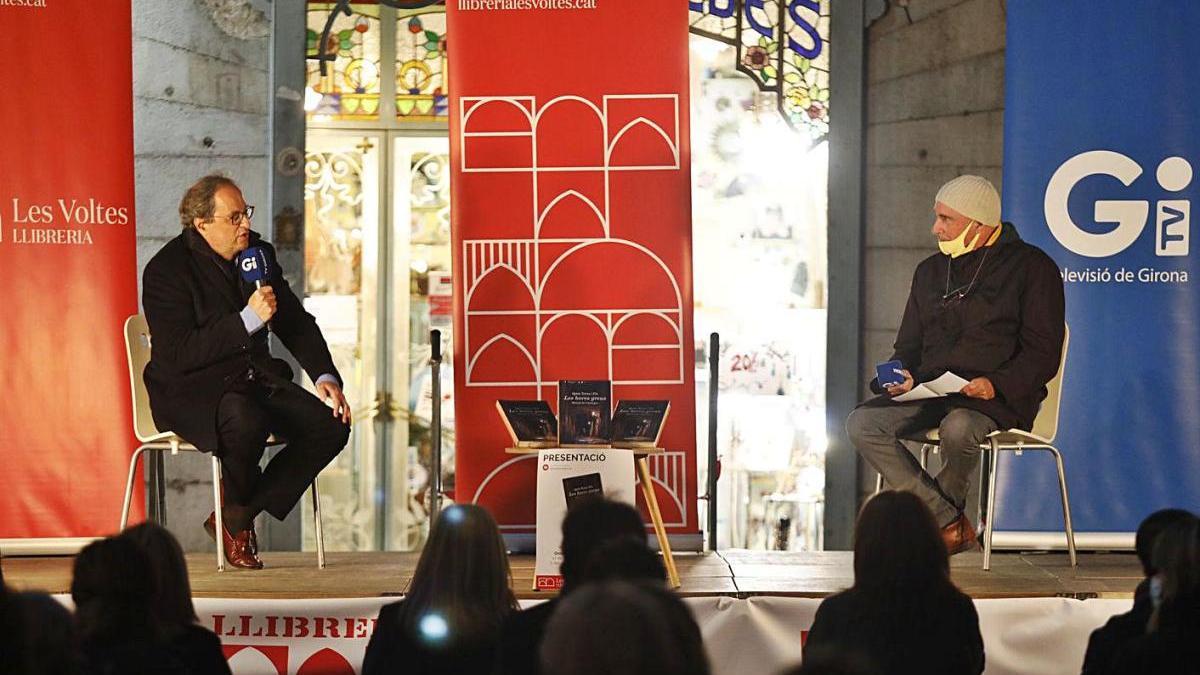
(253, 409)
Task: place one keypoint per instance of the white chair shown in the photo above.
(1045, 429)
(137, 354)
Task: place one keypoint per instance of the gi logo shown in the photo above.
(249, 264)
(1172, 216)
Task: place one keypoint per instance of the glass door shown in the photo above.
(377, 265)
(420, 302)
(343, 181)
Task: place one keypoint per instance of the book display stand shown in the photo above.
(642, 467)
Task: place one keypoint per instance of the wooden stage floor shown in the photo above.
(730, 573)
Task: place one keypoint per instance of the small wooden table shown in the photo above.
(643, 471)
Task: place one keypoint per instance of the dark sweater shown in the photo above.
(943, 639)
(1008, 327)
(200, 649)
(394, 649)
(521, 640)
(1119, 631)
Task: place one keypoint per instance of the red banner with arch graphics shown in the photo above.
(68, 257)
(571, 213)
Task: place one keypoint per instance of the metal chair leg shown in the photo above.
(316, 500)
(218, 516)
(133, 462)
(993, 455)
(160, 487)
(984, 471)
(1066, 504)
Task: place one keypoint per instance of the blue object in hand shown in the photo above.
(889, 373)
(253, 265)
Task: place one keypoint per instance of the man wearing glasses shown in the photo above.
(989, 308)
(211, 377)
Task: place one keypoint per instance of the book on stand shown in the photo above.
(639, 424)
(584, 412)
(530, 423)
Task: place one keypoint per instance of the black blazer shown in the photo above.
(192, 299)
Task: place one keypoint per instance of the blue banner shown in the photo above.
(1101, 134)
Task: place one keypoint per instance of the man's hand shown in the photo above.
(330, 393)
(980, 388)
(263, 303)
(902, 388)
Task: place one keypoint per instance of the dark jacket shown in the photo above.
(943, 639)
(1172, 650)
(1120, 630)
(521, 640)
(394, 649)
(200, 648)
(1008, 326)
(199, 345)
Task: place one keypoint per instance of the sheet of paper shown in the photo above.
(948, 383)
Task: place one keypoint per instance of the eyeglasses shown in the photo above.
(237, 217)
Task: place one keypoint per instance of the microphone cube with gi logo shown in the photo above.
(252, 263)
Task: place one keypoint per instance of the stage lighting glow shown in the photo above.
(453, 515)
(433, 627)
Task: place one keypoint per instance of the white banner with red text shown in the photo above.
(753, 636)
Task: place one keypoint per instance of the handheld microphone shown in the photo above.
(255, 268)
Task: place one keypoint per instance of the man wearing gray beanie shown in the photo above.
(989, 308)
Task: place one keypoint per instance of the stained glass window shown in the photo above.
(783, 45)
(349, 88)
(421, 67)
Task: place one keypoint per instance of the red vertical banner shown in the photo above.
(571, 228)
(68, 258)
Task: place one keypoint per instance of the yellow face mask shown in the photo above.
(958, 245)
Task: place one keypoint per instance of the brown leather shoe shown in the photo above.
(240, 550)
(959, 535)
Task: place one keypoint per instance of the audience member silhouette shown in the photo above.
(623, 628)
(113, 589)
(37, 636)
(626, 559)
(1172, 644)
(588, 526)
(172, 601)
(460, 594)
(1109, 638)
(903, 613)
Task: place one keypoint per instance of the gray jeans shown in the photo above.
(876, 432)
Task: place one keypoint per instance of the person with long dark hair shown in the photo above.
(1172, 643)
(1106, 641)
(902, 613)
(113, 587)
(449, 621)
(172, 601)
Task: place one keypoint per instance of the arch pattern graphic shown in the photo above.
(527, 258)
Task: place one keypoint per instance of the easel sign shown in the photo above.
(565, 475)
